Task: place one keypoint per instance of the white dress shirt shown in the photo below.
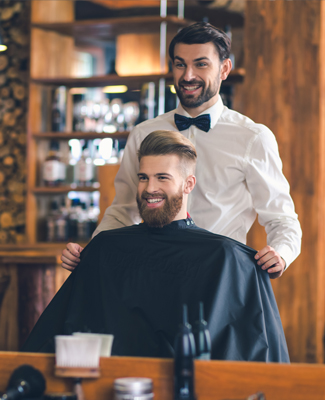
(239, 174)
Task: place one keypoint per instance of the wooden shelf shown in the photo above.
(236, 75)
(100, 31)
(63, 189)
(133, 82)
(79, 135)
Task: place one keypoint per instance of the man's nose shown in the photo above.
(189, 74)
(151, 186)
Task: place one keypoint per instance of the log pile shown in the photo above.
(14, 64)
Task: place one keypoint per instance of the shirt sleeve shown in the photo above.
(271, 195)
(124, 210)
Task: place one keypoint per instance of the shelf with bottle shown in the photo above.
(89, 113)
(237, 75)
(67, 218)
(80, 135)
(65, 166)
(100, 31)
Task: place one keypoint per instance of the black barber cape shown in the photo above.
(132, 282)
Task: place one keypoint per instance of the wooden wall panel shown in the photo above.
(106, 177)
(51, 55)
(284, 60)
(52, 11)
(8, 307)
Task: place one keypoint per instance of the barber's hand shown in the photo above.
(270, 260)
(71, 256)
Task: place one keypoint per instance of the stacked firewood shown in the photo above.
(14, 64)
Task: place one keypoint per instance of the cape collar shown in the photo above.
(175, 225)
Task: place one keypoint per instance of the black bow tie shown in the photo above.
(202, 122)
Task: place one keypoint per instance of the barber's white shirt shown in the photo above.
(239, 174)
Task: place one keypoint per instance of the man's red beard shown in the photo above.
(161, 216)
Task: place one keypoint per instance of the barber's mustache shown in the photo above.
(183, 82)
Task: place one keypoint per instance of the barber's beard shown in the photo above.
(161, 216)
(193, 101)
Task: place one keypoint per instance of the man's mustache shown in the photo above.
(147, 195)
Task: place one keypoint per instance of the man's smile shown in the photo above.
(154, 202)
(190, 88)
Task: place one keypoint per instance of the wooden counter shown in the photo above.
(45, 253)
(215, 380)
(30, 275)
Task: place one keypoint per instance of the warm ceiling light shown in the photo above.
(115, 89)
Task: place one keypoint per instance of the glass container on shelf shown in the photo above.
(84, 172)
(58, 109)
(93, 111)
(74, 220)
(54, 170)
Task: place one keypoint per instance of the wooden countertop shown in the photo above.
(44, 253)
(214, 380)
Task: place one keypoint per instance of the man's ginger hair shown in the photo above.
(160, 143)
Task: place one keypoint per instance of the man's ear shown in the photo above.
(189, 184)
(225, 69)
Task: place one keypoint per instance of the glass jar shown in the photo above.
(133, 389)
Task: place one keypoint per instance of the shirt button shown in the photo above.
(192, 135)
(187, 222)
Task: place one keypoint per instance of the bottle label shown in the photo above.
(62, 171)
(52, 170)
(84, 172)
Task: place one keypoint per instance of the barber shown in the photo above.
(239, 170)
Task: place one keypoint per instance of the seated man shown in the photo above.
(132, 282)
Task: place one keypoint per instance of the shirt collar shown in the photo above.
(215, 111)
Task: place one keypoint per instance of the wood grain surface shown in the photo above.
(284, 89)
(214, 380)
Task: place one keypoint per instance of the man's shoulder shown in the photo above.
(244, 123)
(162, 121)
(208, 238)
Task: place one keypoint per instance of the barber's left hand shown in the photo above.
(270, 260)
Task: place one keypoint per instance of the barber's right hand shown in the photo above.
(70, 256)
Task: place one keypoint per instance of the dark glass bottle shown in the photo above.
(202, 336)
(184, 388)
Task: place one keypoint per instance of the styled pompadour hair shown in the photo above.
(159, 143)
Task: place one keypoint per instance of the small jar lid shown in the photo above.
(60, 396)
(136, 386)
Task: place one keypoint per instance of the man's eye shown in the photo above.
(201, 65)
(179, 65)
(142, 178)
(162, 178)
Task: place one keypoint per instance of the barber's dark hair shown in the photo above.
(202, 32)
(162, 142)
